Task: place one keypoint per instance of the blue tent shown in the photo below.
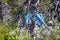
(39, 18)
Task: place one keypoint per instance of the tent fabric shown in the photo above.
(39, 18)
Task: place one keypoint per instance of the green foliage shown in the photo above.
(4, 31)
(13, 4)
(7, 34)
